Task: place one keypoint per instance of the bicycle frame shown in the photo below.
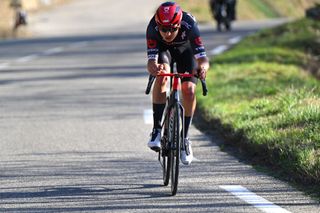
(175, 88)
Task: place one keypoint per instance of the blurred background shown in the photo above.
(246, 10)
(8, 12)
(252, 9)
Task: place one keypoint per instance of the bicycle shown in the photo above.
(172, 129)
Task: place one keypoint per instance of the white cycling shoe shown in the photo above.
(187, 155)
(155, 139)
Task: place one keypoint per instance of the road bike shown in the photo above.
(172, 133)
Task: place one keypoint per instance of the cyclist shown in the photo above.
(173, 34)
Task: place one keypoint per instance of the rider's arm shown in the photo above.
(152, 49)
(199, 51)
(203, 66)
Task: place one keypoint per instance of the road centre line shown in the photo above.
(235, 40)
(53, 51)
(47, 52)
(218, 50)
(253, 199)
(27, 58)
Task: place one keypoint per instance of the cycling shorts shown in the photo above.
(183, 57)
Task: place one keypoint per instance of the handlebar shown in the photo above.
(178, 75)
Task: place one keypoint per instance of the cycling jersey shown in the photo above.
(188, 35)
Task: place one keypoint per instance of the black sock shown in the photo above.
(187, 122)
(157, 115)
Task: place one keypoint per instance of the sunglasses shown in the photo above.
(168, 29)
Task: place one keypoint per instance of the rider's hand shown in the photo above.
(202, 72)
(203, 67)
(161, 68)
(154, 68)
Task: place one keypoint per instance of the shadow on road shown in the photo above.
(101, 181)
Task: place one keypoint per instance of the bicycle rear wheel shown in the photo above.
(175, 125)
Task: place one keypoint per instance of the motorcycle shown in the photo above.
(223, 12)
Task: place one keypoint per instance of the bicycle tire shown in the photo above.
(175, 127)
(165, 156)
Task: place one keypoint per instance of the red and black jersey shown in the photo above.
(188, 34)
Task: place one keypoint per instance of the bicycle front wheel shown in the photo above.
(165, 159)
(175, 126)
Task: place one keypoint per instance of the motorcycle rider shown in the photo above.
(224, 12)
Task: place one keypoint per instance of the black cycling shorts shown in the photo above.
(182, 56)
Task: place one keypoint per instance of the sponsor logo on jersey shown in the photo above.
(152, 50)
(198, 41)
(188, 26)
(200, 55)
(200, 49)
(183, 35)
(151, 43)
(153, 57)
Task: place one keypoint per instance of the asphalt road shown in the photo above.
(74, 123)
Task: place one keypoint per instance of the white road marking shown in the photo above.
(253, 199)
(218, 50)
(27, 58)
(234, 40)
(53, 51)
(48, 52)
(148, 116)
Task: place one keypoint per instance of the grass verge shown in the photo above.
(251, 9)
(266, 101)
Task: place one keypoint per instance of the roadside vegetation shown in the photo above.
(31, 6)
(264, 96)
(251, 9)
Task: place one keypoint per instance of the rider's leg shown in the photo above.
(189, 103)
(159, 98)
(159, 90)
(158, 105)
(186, 62)
(159, 101)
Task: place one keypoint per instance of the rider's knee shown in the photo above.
(161, 82)
(188, 91)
